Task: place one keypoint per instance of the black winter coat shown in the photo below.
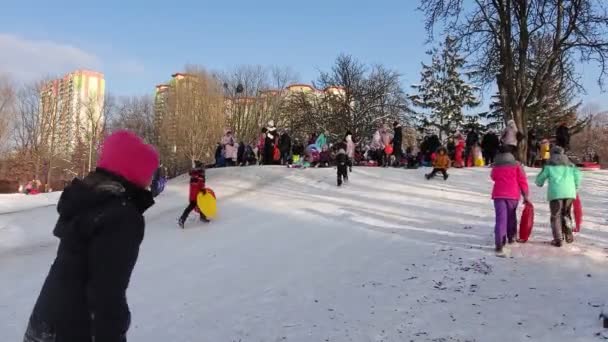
(298, 149)
(490, 143)
(472, 139)
(398, 137)
(285, 143)
(100, 227)
(562, 135)
(341, 159)
(240, 153)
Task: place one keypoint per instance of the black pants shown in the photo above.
(188, 210)
(268, 154)
(531, 159)
(444, 172)
(398, 153)
(342, 174)
(489, 157)
(561, 218)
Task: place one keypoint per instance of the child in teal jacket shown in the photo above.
(564, 179)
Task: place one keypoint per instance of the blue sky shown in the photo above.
(138, 44)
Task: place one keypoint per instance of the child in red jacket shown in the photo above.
(197, 185)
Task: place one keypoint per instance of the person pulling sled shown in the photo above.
(197, 185)
(564, 180)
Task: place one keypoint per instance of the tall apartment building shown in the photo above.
(72, 108)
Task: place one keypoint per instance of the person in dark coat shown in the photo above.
(533, 147)
(240, 154)
(219, 156)
(397, 142)
(471, 142)
(100, 228)
(269, 143)
(429, 146)
(489, 146)
(451, 148)
(342, 164)
(562, 136)
(285, 148)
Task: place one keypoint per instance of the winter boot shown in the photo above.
(556, 243)
(500, 252)
(339, 181)
(204, 219)
(181, 222)
(445, 177)
(427, 176)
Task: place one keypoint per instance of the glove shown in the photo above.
(204, 191)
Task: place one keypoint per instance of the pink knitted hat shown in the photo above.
(125, 154)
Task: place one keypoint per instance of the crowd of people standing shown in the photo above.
(386, 148)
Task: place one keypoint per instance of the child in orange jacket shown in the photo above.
(440, 164)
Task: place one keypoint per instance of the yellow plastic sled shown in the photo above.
(207, 204)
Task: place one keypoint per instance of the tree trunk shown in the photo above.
(520, 120)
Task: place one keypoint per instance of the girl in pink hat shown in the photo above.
(100, 228)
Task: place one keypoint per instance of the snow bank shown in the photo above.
(389, 257)
(11, 203)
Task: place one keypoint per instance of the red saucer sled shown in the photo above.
(578, 213)
(526, 223)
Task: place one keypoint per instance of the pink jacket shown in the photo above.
(510, 181)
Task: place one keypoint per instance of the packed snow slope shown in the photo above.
(389, 257)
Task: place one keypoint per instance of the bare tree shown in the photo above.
(136, 114)
(593, 138)
(303, 113)
(92, 127)
(244, 107)
(498, 36)
(7, 109)
(368, 97)
(195, 116)
(255, 95)
(37, 128)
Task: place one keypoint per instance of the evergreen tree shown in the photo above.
(494, 119)
(443, 92)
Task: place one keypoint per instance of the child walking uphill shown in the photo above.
(510, 183)
(197, 185)
(564, 180)
(342, 164)
(440, 164)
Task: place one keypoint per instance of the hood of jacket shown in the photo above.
(504, 159)
(88, 197)
(558, 157)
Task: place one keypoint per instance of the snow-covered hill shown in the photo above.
(389, 257)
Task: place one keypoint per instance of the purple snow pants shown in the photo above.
(506, 220)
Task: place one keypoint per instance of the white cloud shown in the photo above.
(26, 59)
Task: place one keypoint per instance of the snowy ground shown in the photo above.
(390, 257)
